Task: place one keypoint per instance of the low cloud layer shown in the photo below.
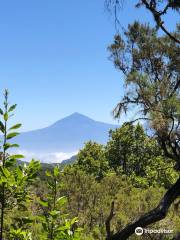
(51, 157)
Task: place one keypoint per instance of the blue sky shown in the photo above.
(54, 58)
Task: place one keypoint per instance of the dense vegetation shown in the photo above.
(130, 173)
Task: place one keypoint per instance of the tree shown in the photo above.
(131, 152)
(92, 160)
(128, 148)
(151, 67)
(158, 8)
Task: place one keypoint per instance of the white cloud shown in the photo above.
(51, 157)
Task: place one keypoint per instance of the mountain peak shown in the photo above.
(67, 135)
(76, 114)
(73, 118)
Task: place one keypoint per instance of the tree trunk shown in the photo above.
(153, 216)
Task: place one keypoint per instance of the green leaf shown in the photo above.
(1, 127)
(14, 145)
(17, 156)
(8, 145)
(10, 163)
(63, 228)
(1, 112)
(5, 172)
(16, 126)
(43, 203)
(61, 201)
(41, 218)
(56, 171)
(6, 116)
(48, 174)
(11, 135)
(12, 108)
(54, 213)
(3, 180)
(74, 220)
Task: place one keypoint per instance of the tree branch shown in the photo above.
(157, 18)
(169, 34)
(108, 221)
(153, 216)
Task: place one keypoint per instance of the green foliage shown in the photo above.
(131, 152)
(55, 224)
(14, 180)
(17, 196)
(126, 148)
(90, 201)
(20, 235)
(92, 160)
(150, 64)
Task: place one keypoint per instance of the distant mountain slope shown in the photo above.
(66, 135)
(69, 161)
(62, 139)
